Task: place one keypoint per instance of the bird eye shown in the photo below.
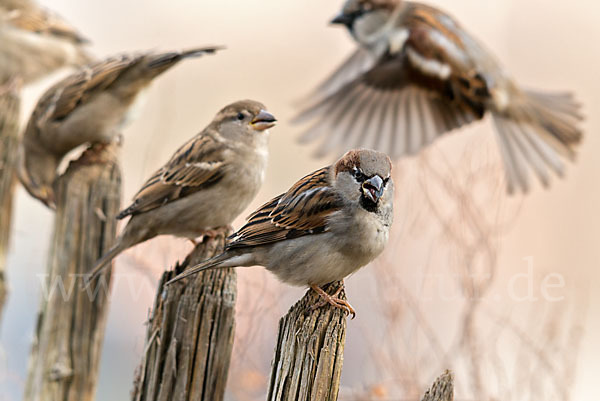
(241, 116)
(359, 175)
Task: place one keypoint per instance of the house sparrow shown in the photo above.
(92, 105)
(324, 228)
(35, 42)
(205, 185)
(418, 74)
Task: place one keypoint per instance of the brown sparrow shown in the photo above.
(92, 105)
(418, 74)
(35, 42)
(205, 185)
(324, 228)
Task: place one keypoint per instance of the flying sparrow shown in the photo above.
(205, 185)
(92, 105)
(418, 74)
(35, 42)
(324, 228)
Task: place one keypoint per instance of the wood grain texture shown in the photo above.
(307, 364)
(442, 389)
(66, 350)
(9, 142)
(190, 333)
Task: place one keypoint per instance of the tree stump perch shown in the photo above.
(190, 333)
(442, 389)
(65, 354)
(309, 354)
(10, 103)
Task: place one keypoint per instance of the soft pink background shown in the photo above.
(277, 50)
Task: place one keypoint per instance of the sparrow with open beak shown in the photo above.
(90, 106)
(418, 74)
(324, 228)
(35, 42)
(205, 185)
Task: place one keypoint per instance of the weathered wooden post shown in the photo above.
(9, 142)
(307, 364)
(442, 389)
(190, 333)
(65, 355)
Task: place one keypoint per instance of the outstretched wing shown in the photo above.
(197, 165)
(422, 84)
(303, 210)
(60, 100)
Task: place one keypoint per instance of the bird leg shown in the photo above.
(333, 300)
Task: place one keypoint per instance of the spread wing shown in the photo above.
(422, 84)
(197, 165)
(303, 210)
(64, 97)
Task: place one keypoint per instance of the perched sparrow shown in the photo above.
(35, 42)
(207, 183)
(417, 74)
(324, 228)
(92, 105)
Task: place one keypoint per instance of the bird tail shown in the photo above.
(164, 61)
(536, 133)
(104, 261)
(217, 261)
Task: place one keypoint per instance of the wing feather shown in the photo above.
(197, 165)
(303, 210)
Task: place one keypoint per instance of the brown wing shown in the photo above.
(422, 85)
(197, 165)
(30, 17)
(60, 100)
(304, 209)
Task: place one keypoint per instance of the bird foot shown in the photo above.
(333, 300)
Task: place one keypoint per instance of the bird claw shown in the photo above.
(333, 300)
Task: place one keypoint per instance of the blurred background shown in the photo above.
(503, 290)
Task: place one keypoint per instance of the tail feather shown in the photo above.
(217, 261)
(536, 134)
(104, 261)
(166, 60)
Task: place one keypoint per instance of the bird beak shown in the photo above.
(373, 188)
(264, 120)
(342, 19)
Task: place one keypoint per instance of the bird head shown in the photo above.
(244, 121)
(364, 177)
(369, 14)
(37, 174)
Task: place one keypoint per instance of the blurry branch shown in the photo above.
(307, 364)
(441, 390)
(190, 333)
(66, 350)
(9, 143)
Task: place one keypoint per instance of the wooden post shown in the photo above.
(9, 142)
(190, 333)
(309, 353)
(65, 355)
(442, 389)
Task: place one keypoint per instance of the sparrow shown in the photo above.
(35, 42)
(205, 185)
(417, 74)
(92, 105)
(325, 227)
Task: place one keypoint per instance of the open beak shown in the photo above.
(343, 19)
(373, 188)
(263, 120)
